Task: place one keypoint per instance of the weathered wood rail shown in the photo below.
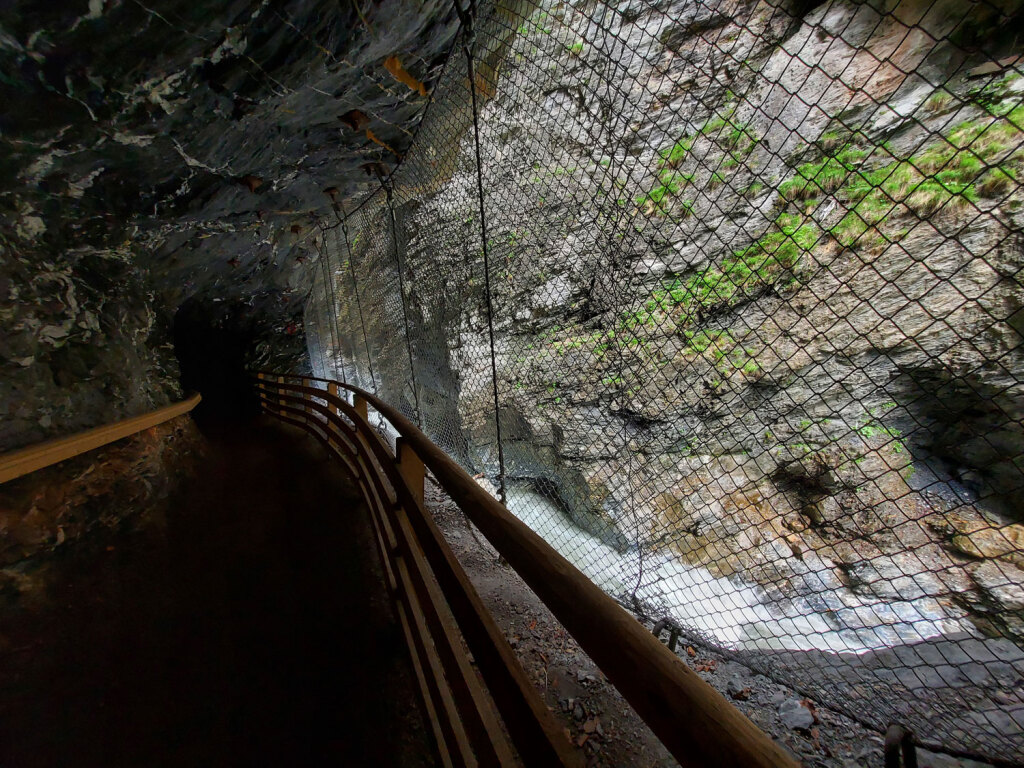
(492, 715)
(34, 457)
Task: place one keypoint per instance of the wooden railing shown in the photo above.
(439, 608)
(26, 460)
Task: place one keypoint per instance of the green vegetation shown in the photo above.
(876, 189)
(830, 141)
(939, 101)
(596, 343)
(659, 198)
(874, 428)
(769, 261)
(736, 139)
(674, 156)
(535, 23)
(991, 95)
(949, 173)
(723, 349)
(825, 176)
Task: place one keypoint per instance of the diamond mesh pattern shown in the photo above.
(756, 302)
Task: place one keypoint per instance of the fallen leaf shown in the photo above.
(394, 66)
(252, 182)
(809, 705)
(709, 665)
(823, 748)
(370, 135)
(690, 652)
(355, 119)
(485, 87)
(374, 169)
(582, 739)
(590, 726)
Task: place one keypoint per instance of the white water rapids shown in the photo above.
(732, 613)
(735, 614)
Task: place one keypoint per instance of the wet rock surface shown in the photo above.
(755, 303)
(818, 422)
(155, 154)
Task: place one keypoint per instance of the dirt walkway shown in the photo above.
(249, 628)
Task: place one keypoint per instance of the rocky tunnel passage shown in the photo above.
(724, 298)
(239, 623)
(211, 346)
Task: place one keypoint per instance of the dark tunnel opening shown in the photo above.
(212, 345)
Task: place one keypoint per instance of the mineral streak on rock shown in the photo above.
(155, 153)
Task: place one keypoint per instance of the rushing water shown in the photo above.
(729, 611)
(734, 614)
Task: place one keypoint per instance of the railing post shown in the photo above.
(280, 391)
(359, 403)
(411, 468)
(332, 389)
(360, 406)
(307, 399)
(263, 403)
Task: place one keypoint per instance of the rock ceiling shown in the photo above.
(201, 137)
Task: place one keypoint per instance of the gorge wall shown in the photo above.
(756, 295)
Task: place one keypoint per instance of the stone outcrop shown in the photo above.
(159, 154)
(736, 318)
(122, 484)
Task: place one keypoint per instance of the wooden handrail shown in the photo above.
(695, 722)
(26, 460)
(412, 536)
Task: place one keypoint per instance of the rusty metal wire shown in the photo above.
(742, 334)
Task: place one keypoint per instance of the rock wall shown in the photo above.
(122, 484)
(154, 156)
(82, 344)
(754, 286)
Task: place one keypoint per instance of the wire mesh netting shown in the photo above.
(725, 299)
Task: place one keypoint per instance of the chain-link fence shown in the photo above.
(726, 299)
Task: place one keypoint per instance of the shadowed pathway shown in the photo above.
(252, 629)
